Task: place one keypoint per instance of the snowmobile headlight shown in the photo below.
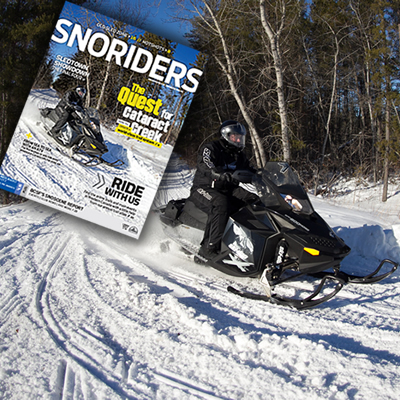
(93, 145)
(311, 251)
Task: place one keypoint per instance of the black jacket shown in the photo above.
(69, 98)
(215, 158)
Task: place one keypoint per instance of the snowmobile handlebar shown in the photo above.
(83, 116)
(243, 176)
(77, 109)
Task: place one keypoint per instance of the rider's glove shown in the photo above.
(221, 176)
(226, 177)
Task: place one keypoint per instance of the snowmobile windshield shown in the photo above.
(93, 113)
(279, 187)
(94, 118)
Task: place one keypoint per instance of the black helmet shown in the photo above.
(233, 135)
(81, 91)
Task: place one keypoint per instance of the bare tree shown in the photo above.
(364, 26)
(210, 17)
(274, 36)
(332, 100)
(386, 152)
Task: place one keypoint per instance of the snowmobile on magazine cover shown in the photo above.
(76, 130)
(278, 238)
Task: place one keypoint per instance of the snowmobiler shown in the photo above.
(213, 190)
(277, 238)
(65, 108)
(76, 130)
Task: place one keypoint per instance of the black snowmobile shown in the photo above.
(278, 238)
(80, 138)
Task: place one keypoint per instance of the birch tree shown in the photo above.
(363, 20)
(274, 35)
(210, 14)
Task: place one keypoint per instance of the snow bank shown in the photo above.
(396, 232)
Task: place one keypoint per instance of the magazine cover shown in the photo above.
(101, 120)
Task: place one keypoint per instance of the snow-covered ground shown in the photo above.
(86, 313)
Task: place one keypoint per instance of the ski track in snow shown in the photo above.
(86, 313)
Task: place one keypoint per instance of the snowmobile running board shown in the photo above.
(299, 304)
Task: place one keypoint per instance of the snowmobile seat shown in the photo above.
(172, 211)
(184, 211)
(193, 216)
(50, 113)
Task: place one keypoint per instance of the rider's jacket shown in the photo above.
(70, 98)
(213, 158)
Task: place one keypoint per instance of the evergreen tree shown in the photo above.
(25, 30)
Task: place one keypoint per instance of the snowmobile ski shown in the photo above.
(84, 159)
(358, 279)
(93, 161)
(300, 304)
(340, 277)
(116, 163)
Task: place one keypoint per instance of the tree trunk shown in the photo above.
(333, 97)
(103, 86)
(368, 85)
(277, 57)
(386, 159)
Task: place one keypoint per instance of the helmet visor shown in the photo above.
(235, 135)
(81, 91)
(236, 139)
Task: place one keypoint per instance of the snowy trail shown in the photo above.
(87, 313)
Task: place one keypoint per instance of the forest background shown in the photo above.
(315, 82)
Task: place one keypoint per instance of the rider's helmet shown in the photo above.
(233, 135)
(80, 91)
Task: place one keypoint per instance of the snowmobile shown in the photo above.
(278, 238)
(80, 138)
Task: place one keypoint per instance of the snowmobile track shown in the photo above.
(78, 345)
(10, 304)
(186, 385)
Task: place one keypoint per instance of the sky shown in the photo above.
(160, 19)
